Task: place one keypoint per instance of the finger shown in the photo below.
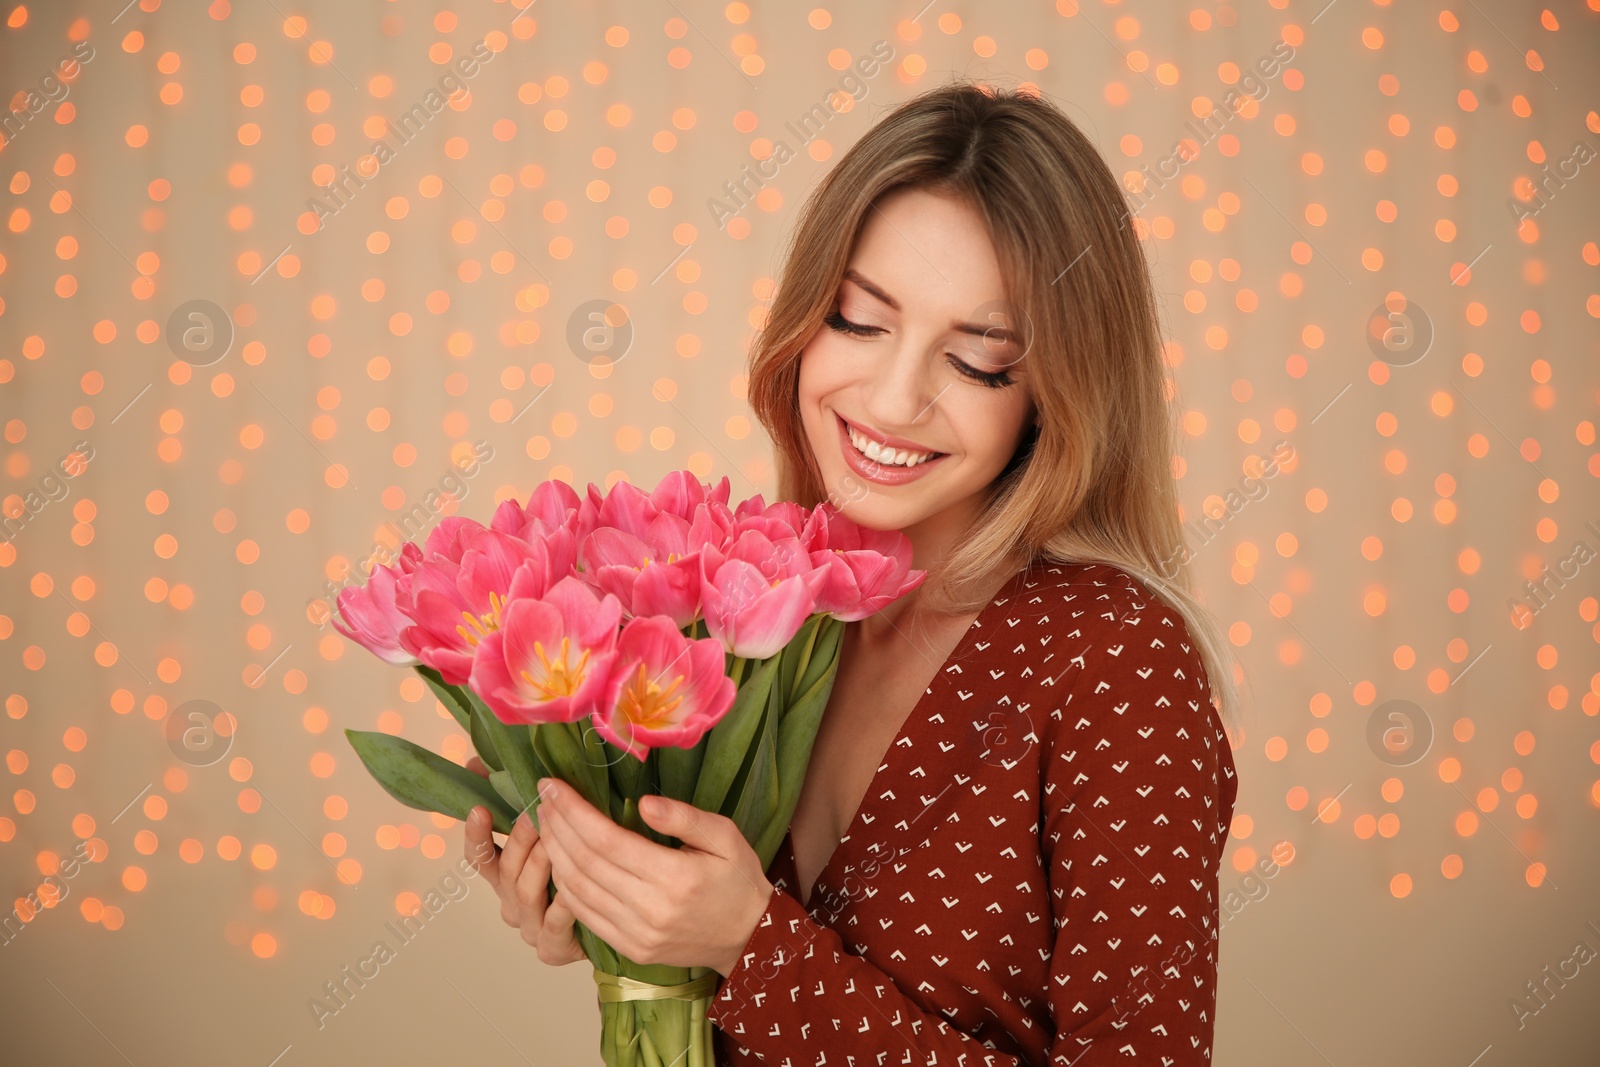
(599, 883)
(533, 884)
(569, 899)
(589, 833)
(559, 933)
(518, 843)
(479, 847)
(695, 828)
(477, 766)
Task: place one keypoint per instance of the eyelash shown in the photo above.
(993, 379)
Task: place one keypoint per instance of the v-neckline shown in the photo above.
(962, 649)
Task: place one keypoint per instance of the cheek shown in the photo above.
(819, 369)
(818, 380)
(1002, 421)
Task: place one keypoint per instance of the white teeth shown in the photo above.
(876, 452)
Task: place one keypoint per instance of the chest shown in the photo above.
(874, 693)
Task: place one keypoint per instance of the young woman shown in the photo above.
(1007, 845)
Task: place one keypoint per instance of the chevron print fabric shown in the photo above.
(1032, 875)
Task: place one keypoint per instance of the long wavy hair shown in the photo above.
(1093, 480)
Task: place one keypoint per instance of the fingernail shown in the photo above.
(547, 788)
(523, 820)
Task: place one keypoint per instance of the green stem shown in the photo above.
(805, 659)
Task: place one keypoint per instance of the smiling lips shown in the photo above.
(892, 451)
(880, 464)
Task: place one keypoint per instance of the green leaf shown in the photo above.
(730, 741)
(462, 702)
(630, 777)
(758, 795)
(483, 738)
(679, 768)
(449, 695)
(598, 756)
(501, 780)
(573, 753)
(796, 735)
(796, 654)
(513, 742)
(425, 780)
(824, 656)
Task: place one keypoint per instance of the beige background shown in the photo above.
(432, 311)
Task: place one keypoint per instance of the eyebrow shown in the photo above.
(977, 329)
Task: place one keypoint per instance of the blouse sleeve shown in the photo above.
(801, 998)
(1129, 837)
(1136, 811)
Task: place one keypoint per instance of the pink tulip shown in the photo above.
(658, 574)
(629, 509)
(758, 592)
(551, 658)
(867, 569)
(780, 519)
(679, 494)
(666, 689)
(447, 539)
(374, 620)
(552, 506)
(455, 604)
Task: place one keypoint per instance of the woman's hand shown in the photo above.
(694, 906)
(520, 874)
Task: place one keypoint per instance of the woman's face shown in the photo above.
(917, 352)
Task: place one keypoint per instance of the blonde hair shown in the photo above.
(1093, 480)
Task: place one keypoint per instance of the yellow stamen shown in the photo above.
(560, 679)
(484, 625)
(645, 703)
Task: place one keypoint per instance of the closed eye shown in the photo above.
(993, 379)
(838, 322)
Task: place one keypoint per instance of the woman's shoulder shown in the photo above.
(1084, 600)
(1091, 629)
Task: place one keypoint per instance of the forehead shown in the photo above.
(930, 251)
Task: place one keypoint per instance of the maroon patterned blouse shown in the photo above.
(1031, 877)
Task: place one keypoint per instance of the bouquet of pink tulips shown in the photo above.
(628, 644)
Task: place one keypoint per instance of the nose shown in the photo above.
(904, 388)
